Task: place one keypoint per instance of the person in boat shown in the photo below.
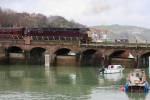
(142, 77)
(137, 81)
(102, 69)
(138, 75)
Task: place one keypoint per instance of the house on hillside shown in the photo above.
(99, 35)
(122, 38)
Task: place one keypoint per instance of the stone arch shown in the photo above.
(123, 54)
(89, 51)
(14, 54)
(66, 57)
(144, 59)
(146, 52)
(117, 54)
(14, 49)
(87, 57)
(123, 57)
(37, 55)
(62, 51)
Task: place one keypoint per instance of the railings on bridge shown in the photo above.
(46, 38)
(13, 42)
(55, 40)
(70, 41)
(42, 40)
(116, 45)
(10, 37)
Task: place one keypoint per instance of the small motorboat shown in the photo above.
(112, 69)
(137, 82)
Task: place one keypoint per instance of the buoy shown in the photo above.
(122, 88)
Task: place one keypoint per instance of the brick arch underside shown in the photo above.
(145, 59)
(92, 57)
(37, 55)
(122, 53)
(123, 57)
(14, 49)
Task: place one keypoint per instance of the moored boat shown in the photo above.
(112, 69)
(137, 82)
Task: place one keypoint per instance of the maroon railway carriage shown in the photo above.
(11, 33)
(45, 33)
(58, 33)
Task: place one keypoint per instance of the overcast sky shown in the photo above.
(88, 12)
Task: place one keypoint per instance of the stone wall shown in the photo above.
(66, 61)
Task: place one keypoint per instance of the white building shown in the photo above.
(99, 35)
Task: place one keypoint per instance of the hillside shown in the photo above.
(9, 18)
(132, 33)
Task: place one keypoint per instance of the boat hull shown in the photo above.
(137, 88)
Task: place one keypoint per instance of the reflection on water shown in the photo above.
(136, 96)
(113, 77)
(62, 83)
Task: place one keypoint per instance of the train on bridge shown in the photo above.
(28, 44)
(45, 33)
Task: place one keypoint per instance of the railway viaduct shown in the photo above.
(31, 50)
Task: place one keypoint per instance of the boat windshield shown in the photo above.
(114, 66)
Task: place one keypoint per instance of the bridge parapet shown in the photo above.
(117, 45)
(30, 41)
(11, 42)
(77, 43)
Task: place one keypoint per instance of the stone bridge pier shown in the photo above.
(36, 55)
(2, 55)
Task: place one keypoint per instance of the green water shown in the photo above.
(23, 82)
